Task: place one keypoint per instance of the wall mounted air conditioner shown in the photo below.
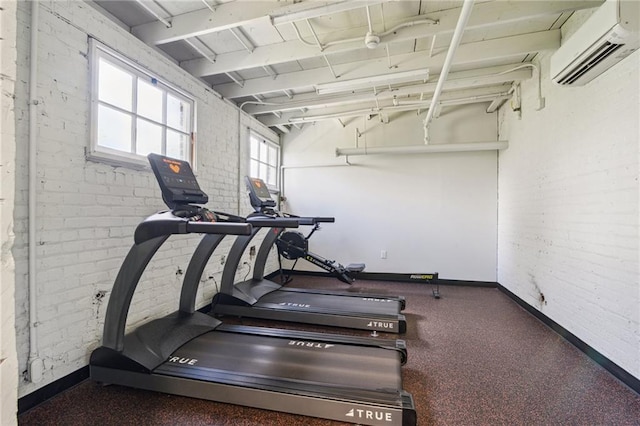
(608, 36)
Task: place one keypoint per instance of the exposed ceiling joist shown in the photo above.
(277, 58)
(236, 14)
(456, 81)
(483, 51)
(203, 21)
(315, 9)
(476, 95)
(283, 128)
(157, 11)
(485, 15)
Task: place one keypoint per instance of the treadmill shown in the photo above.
(350, 379)
(259, 297)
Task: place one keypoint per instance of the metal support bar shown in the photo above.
(236, 80)
(433, 45)
(201, 48)
(269, 70)
(145, 5)
(387, 48)
(243, 39)
(330, 67)
(206, 3)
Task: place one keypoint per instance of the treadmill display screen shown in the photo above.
(259, 193)
(259, 188)
(177, 181)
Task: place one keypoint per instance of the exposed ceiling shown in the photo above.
(275, 58)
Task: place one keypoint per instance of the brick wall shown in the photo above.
(88, 211)
(8, 356)
(569, 207)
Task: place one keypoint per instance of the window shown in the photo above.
(134, 113)
(264, 158)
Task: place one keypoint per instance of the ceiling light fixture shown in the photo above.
(371, 40)
(372, 81)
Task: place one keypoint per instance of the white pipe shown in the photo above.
(402, 106)
(387, 32)
(369, 20)
(315, 36)
(455, 41)
(34, 363)
(315, 166)
(425, 149)
(308, 43)
(541, 100)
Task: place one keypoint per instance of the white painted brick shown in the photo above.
(88, 211)
(569, 208)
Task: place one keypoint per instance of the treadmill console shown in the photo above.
(259, 194)
(177, 181)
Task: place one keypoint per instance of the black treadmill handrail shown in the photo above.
(309, 220)
(149, 236)
(262, 221)
(193, 274)
(124, 286)
(165, 223)
(205, 250)
(233, 260)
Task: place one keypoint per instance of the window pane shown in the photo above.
(263, 151)
(148, 138)
(255, 152)
(262, 171)
(177, 145)
(115, 86)
(273, 156)
(253, 168)
(272, 176)
(114, 129)
(178, 113)
(149, 101)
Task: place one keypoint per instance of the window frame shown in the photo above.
(270, 144)
(100, 153)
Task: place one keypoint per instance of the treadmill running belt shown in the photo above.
(282, 359)
(282, 299)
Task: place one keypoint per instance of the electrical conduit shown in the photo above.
(34, 363)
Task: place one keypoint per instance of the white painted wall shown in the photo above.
(569, 207)
(88, 211)
(430, 212)
(8, 355)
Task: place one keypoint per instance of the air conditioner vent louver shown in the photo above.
(594, 59)
(608, 36)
